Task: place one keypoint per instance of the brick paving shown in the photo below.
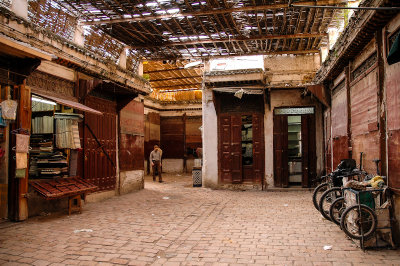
(175, 224)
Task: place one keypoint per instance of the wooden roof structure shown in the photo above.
(171, 29)
(169, 32)
(172, 82)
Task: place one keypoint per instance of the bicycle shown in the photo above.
(331, 180)
(334, 194)
(338, 206)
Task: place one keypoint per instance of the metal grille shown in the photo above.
(196, 173)
(364, 66)
(294, 111)
(6, 3)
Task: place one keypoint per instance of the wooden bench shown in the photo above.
(73, 188)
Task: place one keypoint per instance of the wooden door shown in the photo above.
(281, 174)
(258, 147)
(230, 147)
(98, 169)
(308, 149)
(236, 148)
(225, 148)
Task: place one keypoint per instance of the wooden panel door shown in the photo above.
(258, 147)
(281, 174)
(308, 149)
(236, 148)
(225, 148)
(98, 169)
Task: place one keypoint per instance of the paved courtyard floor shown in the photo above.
(173, 223)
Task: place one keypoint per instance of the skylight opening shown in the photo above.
(173, 11)
(152, 4)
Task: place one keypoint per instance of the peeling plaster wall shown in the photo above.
(292, 98)
(210, 141)
(172, 165)
(131, 181)
(290, 70)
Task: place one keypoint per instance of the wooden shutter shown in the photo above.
(258, 147)
(308, 149)
(236, 148)
(281, 174)
(225, 148)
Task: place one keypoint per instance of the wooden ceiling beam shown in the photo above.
(179, 85)
(227, 40)
(173, 69)
(294, 52)
(175, 78)
(213, 12)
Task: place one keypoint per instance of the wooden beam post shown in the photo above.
(381, 101)
(348, 94)
(184, 143)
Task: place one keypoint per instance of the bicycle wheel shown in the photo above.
(358, 220)
(318, 191)
(336, 210)
(327, 199)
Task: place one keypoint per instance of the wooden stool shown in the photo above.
(74, 204)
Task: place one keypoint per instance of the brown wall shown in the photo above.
(172, 137)
(364, 118)
(152, 132)
(193, 135)
(339, 124)
(131, 142)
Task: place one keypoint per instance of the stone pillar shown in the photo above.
(79, 37)
(210, 141)
(324, 53)
(122, 58)
(20, 8)
(140, 69)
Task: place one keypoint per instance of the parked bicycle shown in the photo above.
(331, 180)
(338, 206)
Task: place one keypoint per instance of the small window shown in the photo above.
(294, 111)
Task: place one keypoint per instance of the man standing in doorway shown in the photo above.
(155, 159)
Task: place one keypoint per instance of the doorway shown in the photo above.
(241, 148)
(294, 150)
(294, 147)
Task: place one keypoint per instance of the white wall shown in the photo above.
(210, 141)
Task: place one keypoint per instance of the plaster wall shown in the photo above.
(20, 8)
(172, 165)
(57, 70)
(290, 70)
(131, 181)
(292, 98)
(210, 141)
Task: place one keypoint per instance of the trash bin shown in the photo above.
(196, 173)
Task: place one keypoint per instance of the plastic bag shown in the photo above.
(9, 109)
